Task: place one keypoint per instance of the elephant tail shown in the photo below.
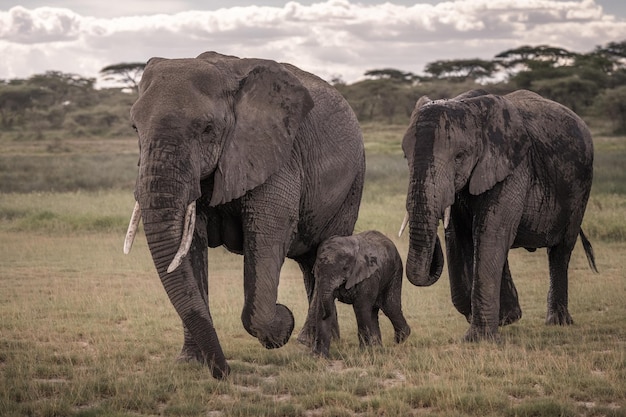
(588, 251)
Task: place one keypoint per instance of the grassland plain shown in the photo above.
(87, 331)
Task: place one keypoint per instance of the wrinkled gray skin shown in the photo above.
(273, 157)
(364, 270)
(516, 171)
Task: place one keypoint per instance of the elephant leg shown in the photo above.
(558, 257)
(496, 220)
(199, 259)
(401, 328)
(307, 334)
(323, 334)
(460, 254)
(486, 292)
(367, 323)
(510, 310)
(392, 308)
(269, 219)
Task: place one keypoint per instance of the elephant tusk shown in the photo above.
(446, 217)
(185, 242)
(405, 221)
(133, 225)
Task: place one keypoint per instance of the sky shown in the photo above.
(331, 38)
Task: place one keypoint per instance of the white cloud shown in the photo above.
(333, 38)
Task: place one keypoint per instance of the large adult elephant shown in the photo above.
(260, 157)
(511, 171)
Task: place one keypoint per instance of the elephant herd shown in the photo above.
(268, 161)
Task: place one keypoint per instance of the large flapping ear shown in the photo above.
(505, 141)
(366, 263)
(269, 109)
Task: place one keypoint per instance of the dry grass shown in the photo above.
(87, 331)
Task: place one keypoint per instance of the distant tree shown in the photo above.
(16, 99)
(532, 57)
(613, 57)
(128, 73)
(617, 50)
(64, 86)
(390, 74)
(573, 91)
(612, 103)
(461, 69)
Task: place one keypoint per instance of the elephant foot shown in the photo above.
(277, 334)
(402, 335)
(510, 316)
(478, 334)
(307, 334)
(560, 317)
(305, 337)
(366, 340)
(321, 349)
(188, 355)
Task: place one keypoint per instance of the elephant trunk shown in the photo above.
(328, 300)
(167, 205)
(424, 262)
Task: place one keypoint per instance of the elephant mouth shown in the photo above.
(185, 243)
(405, 221)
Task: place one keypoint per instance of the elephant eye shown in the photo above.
(208, 129)
(135, 128)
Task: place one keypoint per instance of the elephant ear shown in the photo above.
(366, 264)
(505, 142)
(269, 108)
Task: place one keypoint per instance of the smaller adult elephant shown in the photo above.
(364, 270)
(511, 171)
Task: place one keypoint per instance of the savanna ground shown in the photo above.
(87, 331)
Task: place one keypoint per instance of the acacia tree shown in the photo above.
(461, 69)
(128, 73)
(391, 74)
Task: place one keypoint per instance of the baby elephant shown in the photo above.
(364, 270)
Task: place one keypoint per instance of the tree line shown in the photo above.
(592, 84)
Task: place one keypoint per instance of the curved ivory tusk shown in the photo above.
(446, 217)
(133, 225)
(405, 221)
(185, 242)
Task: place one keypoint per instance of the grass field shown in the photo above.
(87, 331)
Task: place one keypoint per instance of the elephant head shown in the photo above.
(472, 141)
(214, 126)
(341, 261)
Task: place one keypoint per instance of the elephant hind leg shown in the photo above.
(558, 313)
(392, 308)
(510, 310)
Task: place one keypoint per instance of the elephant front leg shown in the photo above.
(323, 333)
(367, 324)
(558, 312)
(489, 261)
(269, 223)
(460, 254)
(308, 332)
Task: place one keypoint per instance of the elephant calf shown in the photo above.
(364, 270)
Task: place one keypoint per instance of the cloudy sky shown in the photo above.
(332, 38)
